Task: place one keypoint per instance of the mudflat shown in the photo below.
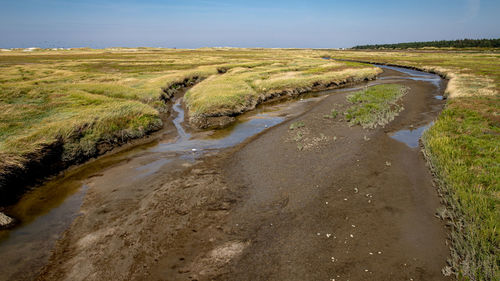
(321, 202)
(360, 207)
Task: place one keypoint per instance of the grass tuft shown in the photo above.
(333, 114)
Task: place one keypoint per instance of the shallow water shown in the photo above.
(411, 136)
(49, 209)
(177, 107)
(414, 75)
(24, 249)
(238, 133)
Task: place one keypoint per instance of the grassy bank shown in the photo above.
(462, 147)
(241, 88)
(64, 106)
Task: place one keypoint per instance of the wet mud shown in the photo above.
(355, 205)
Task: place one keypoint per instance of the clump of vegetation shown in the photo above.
(333, 114)
(296, 125)
(462, 147)
(375, 106)
(298, 137)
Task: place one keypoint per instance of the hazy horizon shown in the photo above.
(211, 23)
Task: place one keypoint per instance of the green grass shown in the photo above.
(375, 106)
(462, 146)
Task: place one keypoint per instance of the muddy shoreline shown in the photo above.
(441, 74)
(351, 204)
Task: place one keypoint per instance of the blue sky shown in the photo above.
(200, 23)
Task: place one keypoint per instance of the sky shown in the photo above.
(236, 23)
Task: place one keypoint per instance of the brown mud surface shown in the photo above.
(325, 201)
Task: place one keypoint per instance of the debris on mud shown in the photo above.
(303, 137)
(6, 221)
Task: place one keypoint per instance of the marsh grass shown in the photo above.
(463, 148)
(375, 106)
(333, 114)
(241, 88)
(83, 98)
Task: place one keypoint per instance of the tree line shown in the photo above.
(462, 43)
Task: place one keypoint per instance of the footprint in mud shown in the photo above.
(282, 203)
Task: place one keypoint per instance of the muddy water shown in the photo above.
(414, 75)
(48, 210)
